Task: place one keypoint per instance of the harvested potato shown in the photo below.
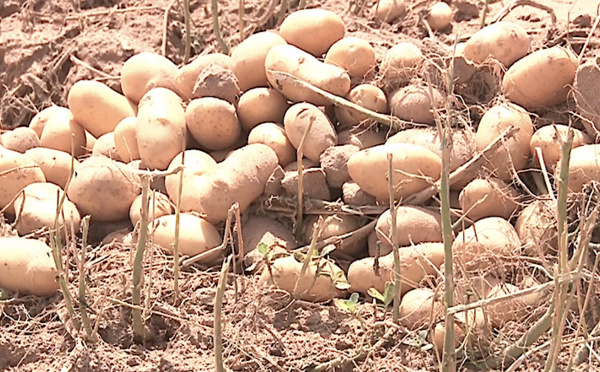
(38, 122)
(334, 162)
(61, 132)
(541, 79)
(197, 163)
(145, 71)
(218, 82)
(196, 235)
(416, 168)
(16, 172)
(263, 230)
(261, 105)
(274, 136)
(97, 108)
(186, 77)
(312, 30)
(402, 62)
(337, 225)
(55, 164)
(306, 164)
(550, 138)
(414, 225)
(414, 103)
(584, 91)
(514, 154)
(293, 61)
(104, 189)
(511, 309)
(503, 41)
(389, 10)
(321, 136)
(105, 146)
(352, 54)
(583, 167)
(419, 308)
(315, 184)
(161, 128)
(537, 228)
(27, 266)
(468, 323)
(158, 206)
(439, 16)
(20, 139)
(213, 123)
(125, 137)
(156, 183)
(362, 137)
(490, 197)
(352, 194)
(365, 95)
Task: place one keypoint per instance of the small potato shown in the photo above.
(312, 30)
(321, 136)
(145, 71)
(389, 10)
(97, 108)
(489, 197)
(161, 128)
(16, 172)
(104, 189)
(186, 77)
(365, 95)
(416, 167)
(503, 41)
(61, 132)
(413, 103)
(537, 228)
(274, 136)
(352, 54)
(105, 146)
(334, 162)
(315, 184)
(213, 123)
(402, 62)
(20, 139)
(197, 163)
(27, 266)
(414, 225)
(541, 79)
(549, 140)
(248, 59)
(362, 137)
(261, 105)
(514, 154)
(337, 225)
(158, 206)
(196, 235)
(125, 137)
(55, 164)
(583, 167)
(301, 65)
(38, 122)
(419, 308)
(440, 16)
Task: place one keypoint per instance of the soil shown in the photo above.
(46, 46)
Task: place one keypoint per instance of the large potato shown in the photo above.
(541, 79)
(537, 228)
(261, 105)
(312, 30)
(145, 71)
(186, 77)
(158, 206)
(161, 130)
(291, 60)
(16, 172)
(503, 41)
(321, 136)
(583, 167)
(389, 10)
(55, 164)
(104, 189)
(20, 139)
(274, 136)
(315, 184)
(197, 163)
(550, 139)
(419, 308)
(366, 95)
(263, 230)
(402, 62)
(490, 197)
(415, 169)
(97, 108)
(352, 54)
(213, 123)
(415, 103)
(125, 136)
(61, 132)
(38, 122)
(414, 225)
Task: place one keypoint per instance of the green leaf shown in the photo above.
(327, 250)
(388, 295)
(263, 249)
(375, 294)
(299, 256)
(354, 298)
(347, 305)
(4, 294)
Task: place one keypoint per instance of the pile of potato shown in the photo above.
(240, 121)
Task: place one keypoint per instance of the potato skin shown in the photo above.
(352, 54)
(419, 308)
(291, 60)
(186, 77)
(158, 206)
(17, 171)
(105, 146)
(145, 71)
(402, 62)
(197, 163)
(537, 228)
(440, 16)
(321, 136)
(61, 132)
(413, 103)
(389, 10)
(503, 41)
(274, 136)
(541, 79)
(38, 122)
(196, 235)
(97, 108)
(55, 164)
(334, 162)
(365, 95)
(369, 168)
(489, 197)
(312, 30)
(161, 130)
(549, 139)
(20, 139)
(414, 225)
(583, 167)
(125, 136)
(261, 105)
(213, 122)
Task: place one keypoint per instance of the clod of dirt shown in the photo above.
(315, 184)
(334, 162)
(219, 82)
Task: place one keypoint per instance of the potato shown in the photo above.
(16, 172)
(515, 309)
(213, 123)
(104, 189)
(261, 105)
(389, 10)
(352, 54)
(321, 136)
(336, 225)
(414, 103)
(56, 165)
(248, 59)
(259, 230)
(156, 183)
(125, 137)
(90, 141)
(402, 62)
(541, 79)
(583, 167)
(362, 137)
(414, 225)
(218, 82)
(240, 178)
(491, 238)
(38, 122)
(61, 132)
(352, 194)
(306, 164)
(158, 206)
(416, 168)
(416, 262)
(315, 184)
(334, 162)
(196, 235)
(419, 308)
(186, 77)
(503, 41)
(537, 228)
(312, 286)
(274, 136)
(97, 108)
(312, 30)
(587, 80)
(197, 163)
(550, 138)
(105, 146)
(468, 323)
(489, 197)
(291, 60)
(161, 128)
(36, 207)
(439, 16)
(514, 154)
(20, 139)
(365, 95)
(27, 266)
(145, 71)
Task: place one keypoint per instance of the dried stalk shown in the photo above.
(395, 249)
(218, 336)
(138, 264)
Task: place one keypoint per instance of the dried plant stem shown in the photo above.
(188, 35)
(395, 249)
(217, 28)
(138, 267)
(588, 39)
(177, 228)
(241, 21)
(311, 252)
(302, 4)
(282, 11)
(517, 3)
(166, 27)
(299, 156)
(85, 222)
(218, 310)
(486, 8)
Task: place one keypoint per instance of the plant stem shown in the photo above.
(311, 251)
(138, 267)
(177, 226)
(188, 35)
(85, 222)
(217, 27)
(299, 156)
(282, 11)
(218, 337)
(397, 278)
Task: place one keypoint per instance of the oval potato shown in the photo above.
(321, 136)
(196, 235)
(16, 172)
(366, 95)
(312, 30)
(352, 54)
(503, 41)
(145, 71)
(549, 140)
(261, 105)
(55, 164)
(490, 197)
(61, 132)
(274, 136)
(213, 123)
(186, 77)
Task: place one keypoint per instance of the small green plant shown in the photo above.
(350, 305)
(387, 297)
